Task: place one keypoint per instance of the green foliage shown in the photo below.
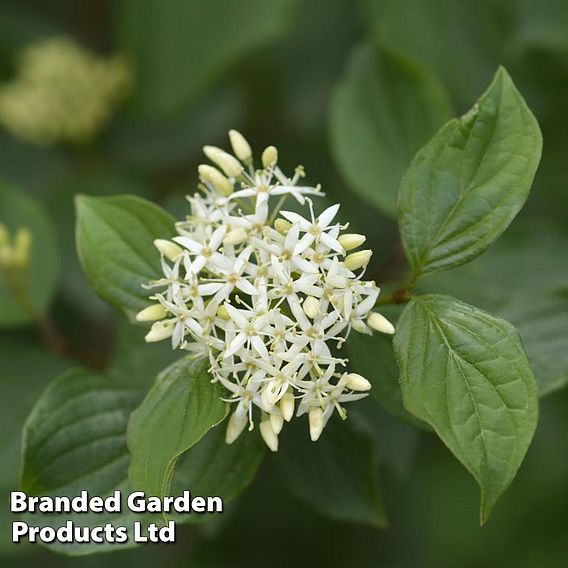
(384, 109)
(464, 56)
(177, 412)
(115, 245)
(213, 34)
(19, 210)
(74, 440)
(24, 372)
(212, 467)
(338, 475)
(465, 372)
(464, 188)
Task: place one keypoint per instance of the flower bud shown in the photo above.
(152, 313)
(282, 226)
(22, 248)
(276, 421)
(380, 323)
(351, 241)
(159, 331)
(270, 156)
(311, 306)
(235, 237)
(267, 433)
(229, 164)
(315, 417)
(214, 177)
(287, 406)
(357, 382)
(223, 313)
(168, 249)
(357, 260)
(235, 426)
(240, 146)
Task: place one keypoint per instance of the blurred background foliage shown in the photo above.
(350, 89)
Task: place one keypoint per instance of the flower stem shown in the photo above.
(54, 341)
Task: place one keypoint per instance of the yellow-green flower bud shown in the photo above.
(235, 237)
(152, 313)
(267, 433)
(287, 403)
(315, 418)
(282, 226)
(223, 313)
(357, 382)
(168, 249)
(214, 177)
(357, 260)
(240, 146)
(380, 323)
(276, 421)
(235, 426)
(270, 157)
(160, 330)
(351, 241)
(229, 164)
(311, 306)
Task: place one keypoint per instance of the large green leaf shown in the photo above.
(463, 189)
(461, 41)
(74, 440)
(384, 109)
(178, 51)
(337, 475)
(115, 244)
(177, 412)
(18, 210)
(24, 372)
(465, 372)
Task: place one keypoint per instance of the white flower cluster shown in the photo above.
(268, 298)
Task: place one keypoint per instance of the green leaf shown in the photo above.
(463, 189)
(513, 266)
(74, 440)
(200, 38)
(543, 326)
(177, 412)
(465, 372)
(462, 42)
(134, 361)
(24, 372)
(384, 109)
(508, 281)
(19, 210)
(373, 357)
(338, 475)
(115, 244)
(396, 442)
(212, 467)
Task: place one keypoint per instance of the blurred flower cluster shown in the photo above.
(267, 298)
(62, 92)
